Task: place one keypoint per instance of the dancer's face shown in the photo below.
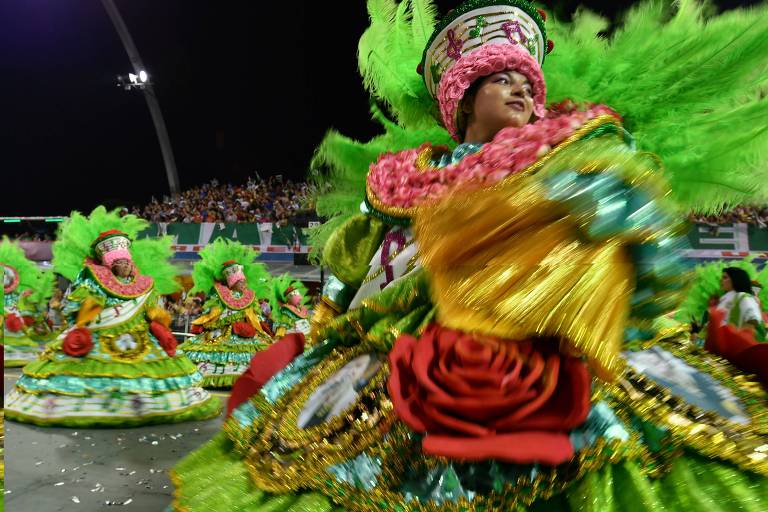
(501, 100)
(239, 286)
(122, 267)
(726, 283)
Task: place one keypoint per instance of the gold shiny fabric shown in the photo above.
(212, 315)
(509, 262)
(89, 310)
(159, 315)
(255, 321)
(322, 314)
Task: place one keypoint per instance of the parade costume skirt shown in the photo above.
(215, 478)
(222, 361)
(57, 390)
(20, 350)
(227, 473)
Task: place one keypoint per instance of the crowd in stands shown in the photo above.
(258, 201)
(757, 215)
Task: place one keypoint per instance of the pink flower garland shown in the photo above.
(104, 276)
(397, 182)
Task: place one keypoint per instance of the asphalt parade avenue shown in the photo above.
(89, 470)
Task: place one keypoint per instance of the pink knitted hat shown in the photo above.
(477, 39)
(111, 246)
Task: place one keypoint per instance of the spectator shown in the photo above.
(272, 201)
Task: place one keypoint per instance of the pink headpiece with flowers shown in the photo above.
(233, 272)
(111, 246)
(477, 39)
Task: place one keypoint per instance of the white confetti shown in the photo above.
(38, 463)
(75, 499)
(154, 443)
(7, 492)
(132, 473)
(64, 470)
(57, 484)
(128, 501)
(119, 469)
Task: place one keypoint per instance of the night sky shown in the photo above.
(244, 86)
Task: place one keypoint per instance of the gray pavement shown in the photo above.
(84, 470)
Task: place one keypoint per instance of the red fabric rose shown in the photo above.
(28, 320)
(265, 365)
(244, 329)
(13, 323)
(78, 342)
(165, 337)
(196, 329)
(489, 399)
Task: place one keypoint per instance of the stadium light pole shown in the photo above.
(149, 95)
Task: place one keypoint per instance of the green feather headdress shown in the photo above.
(706, 284)
(150, 255)
(30, 276)
(691, 88)
(209, 269)
(280, 284)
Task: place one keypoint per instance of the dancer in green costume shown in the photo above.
(487, 334)
(117, 364)
(288, 303)
(26, 291)
(230, 330)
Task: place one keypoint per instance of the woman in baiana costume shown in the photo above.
(25, 288)
(229, 331)
(288, 303)
(510, 282)
(727, 318)
(116, 365)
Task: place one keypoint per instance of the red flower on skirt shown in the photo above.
(243, 329)
(13, 323)
(77, 342)
(165, 337)
(28, 320)
(487, 398)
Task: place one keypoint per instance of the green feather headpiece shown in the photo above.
(706, 284)
(690, 87)
(30, 276)
(77, 233)
(211, 265)
(280, 284)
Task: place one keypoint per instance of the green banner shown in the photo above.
(734, 237)
(249, 234)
